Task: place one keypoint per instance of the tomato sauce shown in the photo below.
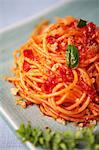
(66, 74)
(85, 87)
(26, 66)
(29, 54)
(49, 84)
(51, 39)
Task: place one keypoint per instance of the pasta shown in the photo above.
(64, 85)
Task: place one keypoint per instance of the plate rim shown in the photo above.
(33, 17)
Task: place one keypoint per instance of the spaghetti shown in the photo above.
(43, 77)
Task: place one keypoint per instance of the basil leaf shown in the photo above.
(72, 56)
(81, 23)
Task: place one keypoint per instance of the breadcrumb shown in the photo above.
(14, 91)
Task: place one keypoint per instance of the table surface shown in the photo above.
(12, 11)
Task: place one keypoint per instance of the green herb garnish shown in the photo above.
(68, 140)
(81, 23)
(72, 56)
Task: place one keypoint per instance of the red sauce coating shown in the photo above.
(49, 84)
(51, 39)
(26, 66)
(28, 54)
(29, 103)
(91, 27)
(90, 90)
(66, 74)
